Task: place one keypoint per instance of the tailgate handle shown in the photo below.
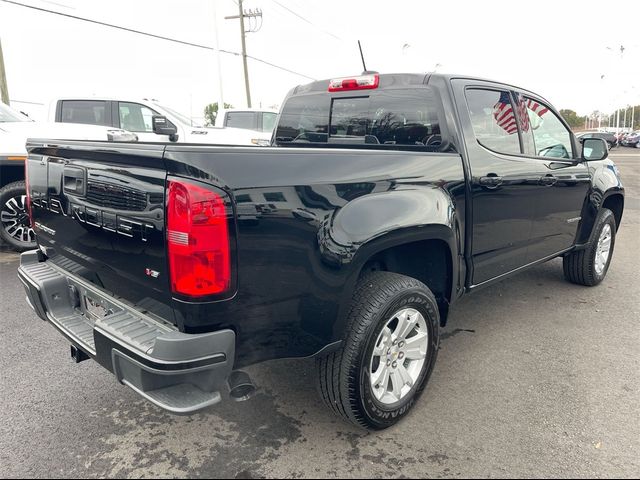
(74, 181)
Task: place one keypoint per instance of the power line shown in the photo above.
(305, 20)
(152, 35)
(126, 29)
(276, 66)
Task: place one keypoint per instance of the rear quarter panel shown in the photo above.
(307, 221)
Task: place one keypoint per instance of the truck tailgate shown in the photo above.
(98, 212)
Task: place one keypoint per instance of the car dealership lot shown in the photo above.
(536, 377)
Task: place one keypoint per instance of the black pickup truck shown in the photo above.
(383, 199)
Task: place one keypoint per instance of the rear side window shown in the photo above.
(386, 119)
(246, 120)
(91, 112)
(493, 119)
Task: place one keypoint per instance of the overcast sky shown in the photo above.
(559, 49)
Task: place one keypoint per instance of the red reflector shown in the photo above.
(364, 82)
(197, 240)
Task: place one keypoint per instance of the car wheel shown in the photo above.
(388, 352)
(15, 226)
(590, 265)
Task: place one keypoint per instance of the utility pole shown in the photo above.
(4, 89)
(241, 16)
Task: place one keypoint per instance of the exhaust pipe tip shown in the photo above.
(241, 388)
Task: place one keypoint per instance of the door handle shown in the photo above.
(492, 180)
(548, 180)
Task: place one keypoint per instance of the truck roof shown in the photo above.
(404, 80)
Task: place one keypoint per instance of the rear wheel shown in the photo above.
(388, 352)
(15, 226)
(590, 265)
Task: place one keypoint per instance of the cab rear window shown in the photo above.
(401, 118)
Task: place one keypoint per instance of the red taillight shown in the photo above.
(197, 240)
(26, 184)
(364, 82)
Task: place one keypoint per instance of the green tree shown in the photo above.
(211, 112)
(636, 117)
(572, 118)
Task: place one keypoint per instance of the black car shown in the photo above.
(608, 137)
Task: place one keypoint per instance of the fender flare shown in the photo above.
(354, 247)
(606, 183)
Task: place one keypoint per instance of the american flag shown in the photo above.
(535, 107)
(504, 115)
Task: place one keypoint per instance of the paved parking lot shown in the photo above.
(536, 377)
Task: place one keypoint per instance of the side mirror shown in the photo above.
(594, 149)
(162, 126)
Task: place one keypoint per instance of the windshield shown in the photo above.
(386, 119)
(180, 117)
(9, 115)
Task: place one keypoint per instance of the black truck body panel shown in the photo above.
(328, 213)
(304, 221)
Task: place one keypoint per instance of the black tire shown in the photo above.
(343, 375)
(15, 229)
(580, 266)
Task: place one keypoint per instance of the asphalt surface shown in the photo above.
(535, 377)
